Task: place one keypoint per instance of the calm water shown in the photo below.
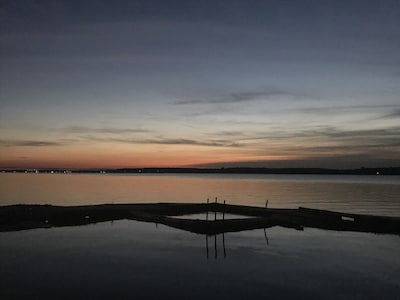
(134, 260)
(361, 194)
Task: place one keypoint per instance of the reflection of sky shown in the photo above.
(352, 194)
(126, 258)
(136, 83)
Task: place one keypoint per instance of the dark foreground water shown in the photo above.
(134, 260)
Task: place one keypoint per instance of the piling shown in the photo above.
(215, 212)
(208, 201)
(223, 212)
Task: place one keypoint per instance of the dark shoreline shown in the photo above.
(23, 217)
(234, 170)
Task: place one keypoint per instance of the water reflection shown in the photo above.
(130, 259)
(214, 237)
(215, 246)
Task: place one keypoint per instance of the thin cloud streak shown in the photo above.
(334, 162)
(393, 115)
(315, 132)
(28, 143)
(165, 141)
(244, 96)
(348, 109)
(211, 143)
(112, 130)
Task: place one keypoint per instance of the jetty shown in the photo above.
(23, 217)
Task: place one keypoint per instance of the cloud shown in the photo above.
(331, 142)
(111, 130)
(28, 143)
(212, 143)
(334, 162)
(229, 133)
(348, 109)
(166, 141)
(322, 142)
(95, 138)
(378, 133)
(330, 132)
(244, 96)
(394, 114)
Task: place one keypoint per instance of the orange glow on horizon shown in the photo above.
(123, 157)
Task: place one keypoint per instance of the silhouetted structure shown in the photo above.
(19, 217)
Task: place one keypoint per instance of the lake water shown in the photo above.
(134, 260)
(359, 194)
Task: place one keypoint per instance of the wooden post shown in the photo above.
(223, 211)
(215, 212)
(208, 200)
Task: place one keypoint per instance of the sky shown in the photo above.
(109, 84)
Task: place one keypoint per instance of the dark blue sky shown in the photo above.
(277, 83)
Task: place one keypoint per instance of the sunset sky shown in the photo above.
(104, 84)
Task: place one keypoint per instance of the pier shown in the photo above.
(23, 217)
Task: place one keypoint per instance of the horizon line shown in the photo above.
(392, 170)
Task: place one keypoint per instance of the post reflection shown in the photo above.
(223, 244)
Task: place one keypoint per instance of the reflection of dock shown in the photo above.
(223, 236)
(19, 217)
(214, 237)
(259, 218)
(215, 246)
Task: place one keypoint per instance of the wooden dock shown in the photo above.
(23, 217)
